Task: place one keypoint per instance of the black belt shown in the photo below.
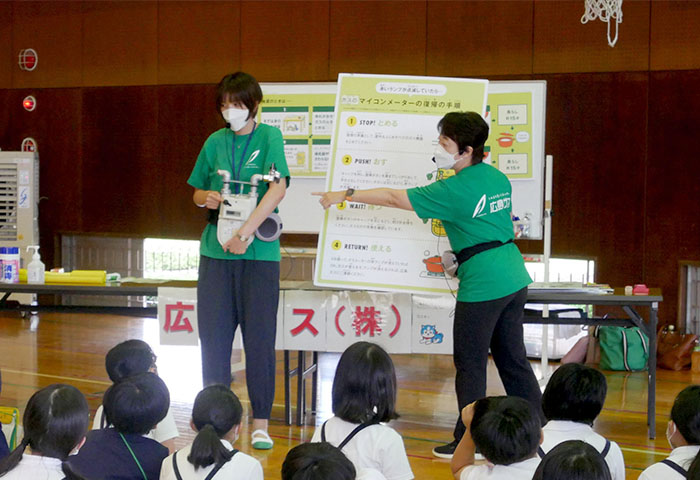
(467, 253)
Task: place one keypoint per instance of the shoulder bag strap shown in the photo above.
(218, 466)
(175, 469)
(323, 431)
(675, 466)
(357, 430)
(624, 350)
(606, 448)
(540, 452)
(133, 455)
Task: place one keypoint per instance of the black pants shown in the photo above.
(245, 293)
(497, 324)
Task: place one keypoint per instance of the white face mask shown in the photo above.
(443, 159)
(236, 117)
(670, 431)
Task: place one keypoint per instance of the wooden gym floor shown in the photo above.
(70, 348)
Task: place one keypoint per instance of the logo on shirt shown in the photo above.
(252, 157)
(479, 210)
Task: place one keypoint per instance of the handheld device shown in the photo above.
(236, 208)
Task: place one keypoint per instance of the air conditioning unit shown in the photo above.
(19, 201)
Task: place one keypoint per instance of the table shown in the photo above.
(628, 303)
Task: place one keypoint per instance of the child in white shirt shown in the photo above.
(573, 460)
(507, 432)
(364, 398)
(683, 434)
(322, 461)
(55, 423)
(573, 399)
(216, 417)
(128, 358)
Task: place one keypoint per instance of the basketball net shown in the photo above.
(608, 11)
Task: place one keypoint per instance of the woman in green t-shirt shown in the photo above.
(474, 208)
(239, 280)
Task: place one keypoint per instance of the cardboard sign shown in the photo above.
(433, 316)
(382, 318)
(305, 320)
(177, 316)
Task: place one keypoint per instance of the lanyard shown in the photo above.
(237, 173)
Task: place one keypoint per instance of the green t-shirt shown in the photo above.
(475, 207)
(266, 148)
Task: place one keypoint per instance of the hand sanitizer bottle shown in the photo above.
(35, 269)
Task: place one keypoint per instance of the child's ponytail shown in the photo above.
(11, 460)
(207, 449)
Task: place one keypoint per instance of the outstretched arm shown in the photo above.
(385, 197)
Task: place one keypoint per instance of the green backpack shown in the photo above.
(623, 348)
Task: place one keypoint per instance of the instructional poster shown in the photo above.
(510, 140)
(304, 113)
(384, 136)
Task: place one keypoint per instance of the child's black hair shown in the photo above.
(317, 461)
(576, 393)
(129, 358)
(216, 411)
(505, 429)
(573, 460)
(55, 421)
(137, 403)
(685, 413)
(364, 387)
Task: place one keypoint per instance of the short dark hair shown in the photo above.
(317, 461)
(129, 358)
(55, 421)
(505, 429)
(573, 460)
(574, 392)
(685, 413)
(239, 87)
(216, 411)
(137, 403)
(364, 387)
(466, 129)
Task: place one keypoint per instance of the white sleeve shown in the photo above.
(393, 459)
(166, 469)
(166, 429)
(317, 435)
(98, 418)
(616, 462)
(256, 473)
(472, 472)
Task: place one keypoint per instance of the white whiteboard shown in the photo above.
(301, 212)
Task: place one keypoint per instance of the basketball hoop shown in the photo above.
(607, 11)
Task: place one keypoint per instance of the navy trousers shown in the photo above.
(245, 293)
(497, 324)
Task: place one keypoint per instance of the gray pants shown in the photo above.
(245, 293)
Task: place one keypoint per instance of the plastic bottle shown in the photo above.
(3, 259)
(10, 265)
(695, 360)
(36, 268)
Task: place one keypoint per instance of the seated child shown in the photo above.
(4, 449)
(364, 397)
(129, 358)
(683, 434)
(507, 432)
(55, 422)
(572, 400)
(216, 417)
(573, 460)
(317, 461)
(133, 407)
